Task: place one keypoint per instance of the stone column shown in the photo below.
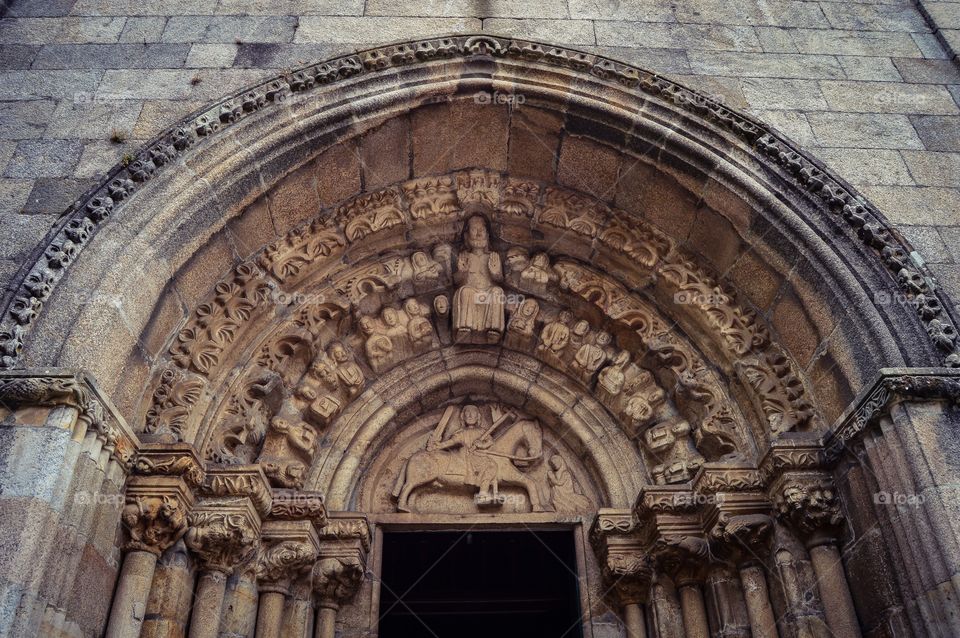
(754, 582)
(340, 567)
(50, 421)
(808, 501)
(158, 498)
(224, 533)
(289, 545)
(626, 566)
(298, 615)
(171, 596)
(741, 535)
(239, 616)
(692, 607)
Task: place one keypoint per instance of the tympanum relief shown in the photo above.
(470, 276)
(478, 456)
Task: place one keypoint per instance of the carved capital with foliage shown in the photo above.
(627, 568)
(288, 549)
(342, 560)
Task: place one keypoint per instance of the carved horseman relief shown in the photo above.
(473, 290)
(492, 454)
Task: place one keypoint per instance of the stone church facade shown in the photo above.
(673, 280)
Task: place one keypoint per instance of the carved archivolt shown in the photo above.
(294, 335)
(434, 197)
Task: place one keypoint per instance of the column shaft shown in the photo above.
(762, 623)
(694, 612)
(326, 621)
(211, 589)
(239, 616)
(834, 591)
(130, 601)
(270, 614)
(633, 618)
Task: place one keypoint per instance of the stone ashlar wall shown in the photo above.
(871, 88)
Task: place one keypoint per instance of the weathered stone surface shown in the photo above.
(43, 158)
(938, 132)
(875, 166)
(374, 29)
(110, 56)
(854, 130)
(933, 169)
(883, 97)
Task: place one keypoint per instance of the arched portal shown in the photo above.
(474, 281)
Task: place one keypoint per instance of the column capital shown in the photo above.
(342, 559)
(290, 504)
(240, 480)
(625, 563)
(288, 548)
(63, 387)
(809, 503)
(170, 459)
(738, 526)
(224, 532)
(155, 514)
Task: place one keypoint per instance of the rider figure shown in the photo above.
(479, 469)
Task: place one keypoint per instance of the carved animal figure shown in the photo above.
(470, 457)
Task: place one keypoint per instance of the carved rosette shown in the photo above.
(224, 533)
(809, 503)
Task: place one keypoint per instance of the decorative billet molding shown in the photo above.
(88, 214)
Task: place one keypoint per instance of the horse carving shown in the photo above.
(474, 457)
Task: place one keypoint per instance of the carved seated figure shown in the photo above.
(426, 271)
(554, 340)
(522, 325)
(419, 328)
(670, 446)
(349, 376)
(478, 305)
(378, 347)
(590, 357)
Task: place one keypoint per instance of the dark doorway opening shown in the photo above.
(472, 584)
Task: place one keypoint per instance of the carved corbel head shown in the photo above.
(809, 503)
